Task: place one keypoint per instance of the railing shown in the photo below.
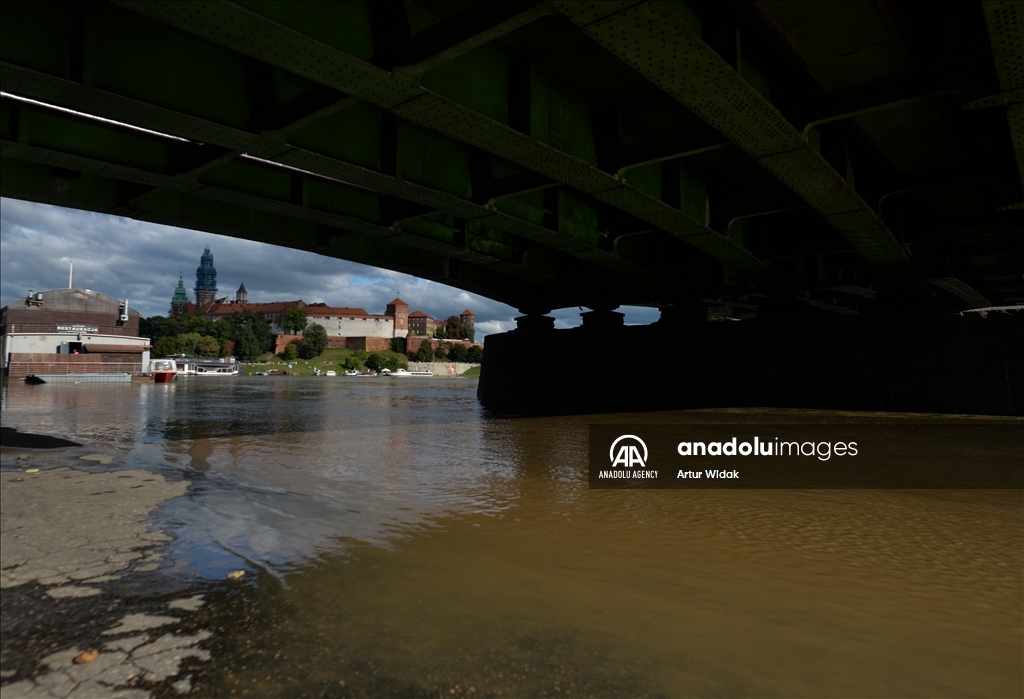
(19, 369)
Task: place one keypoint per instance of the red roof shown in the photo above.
(466, 312)
(321, 311)
(223, 307)
(418, 314)
(398, 302)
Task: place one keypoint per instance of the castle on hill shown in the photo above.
(346, 327)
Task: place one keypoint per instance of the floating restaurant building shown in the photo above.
(71, 331)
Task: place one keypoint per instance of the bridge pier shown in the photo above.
(534, 322)
(941, 362)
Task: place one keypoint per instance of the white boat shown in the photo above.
(229, 370)
(352, 373)
(330, 373)
(197, 366)
(404, 373)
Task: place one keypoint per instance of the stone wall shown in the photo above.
(944, 363)
(282, 341)
(369, 344)
(369, 326)
(413, 342)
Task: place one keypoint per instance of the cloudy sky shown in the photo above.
(141, 261)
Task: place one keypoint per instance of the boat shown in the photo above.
(352, 373)
(230, 370)
(197, 366)
(330, 373)
(405, 373)
(163, 370)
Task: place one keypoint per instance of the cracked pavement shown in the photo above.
(75, 534)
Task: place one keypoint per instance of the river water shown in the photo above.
(402, 542)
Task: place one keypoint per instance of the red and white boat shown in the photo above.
(163, 370)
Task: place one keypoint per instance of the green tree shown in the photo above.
(352, 363)
(442, 350)
(227, 348)
(252, 334)
(314, 341)
(398, 344)
(190, 343)
(290, 352)
(425, 353)
(182, 325)
(469, 331)
(166, 346)
(454, 327)
(392, 361)
(441, 332)
(457, 353)
(294, 320)
(474, 354)
(223, 330)
(247, 344)
(208, 347)
(148, 326)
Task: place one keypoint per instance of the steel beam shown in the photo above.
(167, 184)
(73, 96)
(663, 48)
(961, 290)
(480, 33)
(190, 213)
(253, 35)
(1005, 21)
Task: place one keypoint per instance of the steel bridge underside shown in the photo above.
(748, 157)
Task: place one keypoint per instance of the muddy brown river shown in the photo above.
(402, 542)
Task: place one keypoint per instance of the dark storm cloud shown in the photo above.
(141, 261)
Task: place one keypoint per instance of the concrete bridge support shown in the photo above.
(941, 363)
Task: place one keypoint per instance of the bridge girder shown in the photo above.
(461, 146)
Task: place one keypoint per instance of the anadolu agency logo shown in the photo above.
(627, 455)
(626, 459)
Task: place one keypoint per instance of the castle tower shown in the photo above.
(467, 319)
(399, 311)
(242, 296)
(179, 302)
(206, 280)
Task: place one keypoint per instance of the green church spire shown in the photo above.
(180, 296)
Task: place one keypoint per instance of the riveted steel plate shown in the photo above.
(808, 174)
(583, 13)
(463, 124)
(68, 161)
(251, 34)
(662, 47)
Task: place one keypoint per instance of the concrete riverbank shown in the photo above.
(83, 614)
